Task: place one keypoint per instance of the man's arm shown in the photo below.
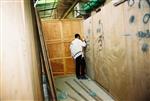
(83, 43)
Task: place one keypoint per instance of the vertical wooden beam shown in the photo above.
(63, 44)
(46, 59)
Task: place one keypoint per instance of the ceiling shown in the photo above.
(57, 9)
(46, 8)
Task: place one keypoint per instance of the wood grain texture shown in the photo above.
(57, 65)
(120, 64)
(20, 66)
(58, 36)
(88, 34)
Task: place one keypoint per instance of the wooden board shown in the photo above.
(57, 65)
(58, 35)
(121, 65)
(88, 34)
(20, 69)
(81, 89)
(54, 51)
(54, 34)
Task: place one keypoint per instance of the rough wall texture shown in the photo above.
(121, 48)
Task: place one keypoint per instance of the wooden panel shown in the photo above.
(55, 50)
(88, 34)
(121, 59)
(53, 34)
(67, 30)
(138, 59)
(70, 65)
(58, 35)
(101, 70)
(76, 27)
(67, 49)
(20, 79)
(57, 65)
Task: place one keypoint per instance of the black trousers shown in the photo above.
(80, 66)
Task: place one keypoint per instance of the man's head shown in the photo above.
(77, 36)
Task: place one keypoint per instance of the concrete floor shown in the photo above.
(71, 89)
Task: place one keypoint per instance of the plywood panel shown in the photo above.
(67, 49)
(136, 58)
(55, 33)
(121, 64)
(57, 65)
(55, 50)
(58, 36)
(70, 65)
(76, 27)
(88, 34)
(20, 79)
(115, 50)
(98, 31)
(67, 29)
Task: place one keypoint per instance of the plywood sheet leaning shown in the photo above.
(58, 35)
(88, 34)
(20, 69)
(113, 65)
(52, 37)
(122, 50)
(138, 53)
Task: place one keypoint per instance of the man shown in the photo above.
(76, 48)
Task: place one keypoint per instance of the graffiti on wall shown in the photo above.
(132, 19)
(142, 35)
(145, 47)
(100, 38)
(87, 43)
(146, 18)
(88, 34)
(131, 3)
(147, 1)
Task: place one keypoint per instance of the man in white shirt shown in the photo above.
(76, 48)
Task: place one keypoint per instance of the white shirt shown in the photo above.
(76, 47)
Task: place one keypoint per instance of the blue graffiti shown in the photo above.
(148, 2)
(145, 47)
(132, 19)
(146, 18)
(131, 3)
(144, 34)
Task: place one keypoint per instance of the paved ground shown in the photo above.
(71, 89)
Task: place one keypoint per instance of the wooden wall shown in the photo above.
(121, 55)
(20, 63)
(89, 51)
(58, 34)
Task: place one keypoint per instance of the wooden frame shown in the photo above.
(58, 46)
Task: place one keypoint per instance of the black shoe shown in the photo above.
(78, 77)
(84, 77)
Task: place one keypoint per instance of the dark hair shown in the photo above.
(77, 36)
